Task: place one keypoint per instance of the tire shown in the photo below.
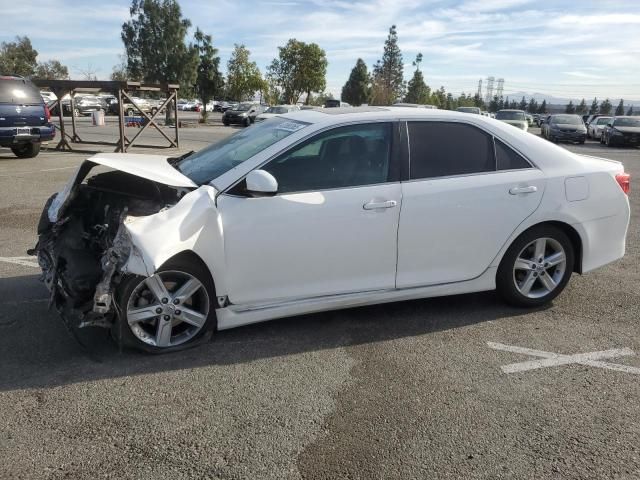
(581, 142)
(608, 141)
(226, 123)
(27, 150)
(134, 294)
(247, 122)
(538, 283)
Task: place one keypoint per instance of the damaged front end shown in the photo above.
(83, 244)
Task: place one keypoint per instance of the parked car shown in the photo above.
(529, 119)
(284, 218)
(594, 129)
(592, 117)
(414, 105)
(565, 128)
(542, 119)
(474, 110)
(275, 111)
(25, 121)
(621, 131)
(333, 103)
(84, 105)
(48, 97)
(513, 117)
(244, 113)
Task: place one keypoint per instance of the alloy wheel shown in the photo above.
(168, 309)
(539, 268)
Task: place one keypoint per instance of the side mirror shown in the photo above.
(261, 183)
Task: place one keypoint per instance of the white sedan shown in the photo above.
(319, 210)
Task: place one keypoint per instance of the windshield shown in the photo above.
(18, 91)
(277, 110)
(214, 160)
(509, 115)
(243, 107)
(627, 122)
(331, 103)
(566, 119)
(602, 120)
(468, 109)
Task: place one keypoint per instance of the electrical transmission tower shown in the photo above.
(480, 88)
(500, 87)
(490, 81)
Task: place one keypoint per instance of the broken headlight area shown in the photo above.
(82, 252)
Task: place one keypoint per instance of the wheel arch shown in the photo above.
(191, 256)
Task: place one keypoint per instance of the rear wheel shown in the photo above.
(171, 310)
(536, 267)
(26, 150)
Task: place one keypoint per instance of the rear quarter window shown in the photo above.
(18, 91)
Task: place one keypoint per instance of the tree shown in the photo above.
(300, 68)
(523, 104)
(51, 70)
(630, 111)
(417, 89)
(620, 108)
(243, 75)
(387, 78)
(594, 107)
(570, 108)
(533, 106)
(605, 107)
(581, 109)
(154, 42)
(543, 107)
(18, 58)
(209, 81)
(119, 71)
(356, 90)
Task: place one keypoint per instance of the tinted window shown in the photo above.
(510, 115)
(18, 91)
(442, 149)
(341, 157)
(507, 158)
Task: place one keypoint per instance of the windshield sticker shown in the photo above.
(291, 126)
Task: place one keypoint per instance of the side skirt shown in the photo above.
(238, 315)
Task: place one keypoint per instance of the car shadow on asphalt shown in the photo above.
(37, 351)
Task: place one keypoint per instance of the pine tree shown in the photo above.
(356, 91)
(582, 107)
(570, 108)
(594, 107)
(417, 91)
(620, 108)
(543, 107)
(630, 111)
(387, 77)
(605, 107)
(494, 105)
(533, 106)
(523, 104)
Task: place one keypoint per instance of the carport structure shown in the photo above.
(122, 90)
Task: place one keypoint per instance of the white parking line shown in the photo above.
(24, 261)
(591, 359)
(38, 171)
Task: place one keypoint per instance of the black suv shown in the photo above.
(25, 120)
(244, 113)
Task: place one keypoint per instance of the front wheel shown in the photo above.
(536, 267)
(171, 310)
(27, 150)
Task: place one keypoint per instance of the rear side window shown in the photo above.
(18, 91)
(440, 149)
(508, 159)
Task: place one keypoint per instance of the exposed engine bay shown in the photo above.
(83, 245)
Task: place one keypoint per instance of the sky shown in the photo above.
(570, 49)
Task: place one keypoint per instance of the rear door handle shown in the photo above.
(377, 205)
(528, 189)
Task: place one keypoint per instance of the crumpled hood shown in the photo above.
(152, 167)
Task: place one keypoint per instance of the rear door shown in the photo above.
(465, 196)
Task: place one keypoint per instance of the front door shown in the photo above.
(332, 227)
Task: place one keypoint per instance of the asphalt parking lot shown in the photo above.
(411, 390)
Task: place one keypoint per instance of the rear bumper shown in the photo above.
(43, 133)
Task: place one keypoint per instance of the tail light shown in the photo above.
(624, 180)
(47, 113)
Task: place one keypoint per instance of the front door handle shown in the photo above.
(528, 189)
(377, 205)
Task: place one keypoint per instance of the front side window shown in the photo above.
(441, 149)
(349, 156)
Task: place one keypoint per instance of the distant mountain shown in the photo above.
(552, 100)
